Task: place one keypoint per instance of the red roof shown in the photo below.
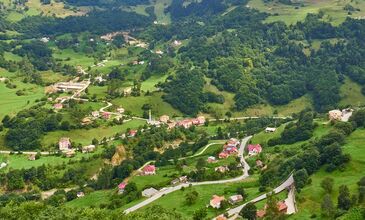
(132, 132)
(122, 185)
(254, 147)
(149, 168)
(282, 206)
(223, 155)
(260, 213)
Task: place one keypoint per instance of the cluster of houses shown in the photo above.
(185, 123)
(229, 148)
(340, 115)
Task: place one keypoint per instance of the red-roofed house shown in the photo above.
(149, 170)
(58, 106)
(282, 207)
(215, 202)
(254, 149)
(260, 213)
(121, 187)
(106, 115)
(187, 123)
(223, 155)
(132, 133)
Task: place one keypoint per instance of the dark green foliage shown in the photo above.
(249, 211)
(344, 200)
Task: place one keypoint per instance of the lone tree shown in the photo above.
(200, 214)
(327, 184)
(344, 200)
(191, 197)
(327, 206)
(249, 211)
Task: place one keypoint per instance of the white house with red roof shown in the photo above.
(64, 144)
(149, 170)
(106, 115)
(132, 133)
(58, 106)
(254, 149)
(215, 202)
(121, 187)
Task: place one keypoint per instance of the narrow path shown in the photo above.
(171, 189)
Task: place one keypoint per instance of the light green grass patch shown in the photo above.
(351, 94)
(92, 199)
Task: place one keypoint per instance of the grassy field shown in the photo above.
(351, 94)
(84, 136)
(160, 6)
(76, 59)
(134, 105)
(11, 103)
(311, 196)
(290, 14)
(176, 200)
(92, 199)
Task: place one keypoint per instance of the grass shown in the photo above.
(312, 195)
(11, 103)
(149, 85)
(50, 77)
(92, 199)
(54, 9)
(333, 10)
(11, 57)
(84, 136)
(134, 105)
(176, 200)
(75, 59)
(160, 6)
(351, 95)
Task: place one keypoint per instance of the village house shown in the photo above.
(215, 202)
(106, 115)
(58, 106)
(149, 192)
(176, 43)
(254, 149)
(3, 165)
(270, 130)
(221, 169)
(120, 110)
(86, 121)
(233, 142)
(88, 149)
(132, 133)
(44, 39)
(164, 119)
(80, 194)
(127, 91)
(235, 199)
(95, 114)
(121, 187)
(211, 159)
(149, 170)
(223, 155)
(282, 207)
(259, 163)
(159, 52)
(64, 144)
(3, 79)
(335, 115)
(32, 157)
(260, 213)
(221, 217)
(99, 79)
(182, 179)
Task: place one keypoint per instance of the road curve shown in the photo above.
(171, 189)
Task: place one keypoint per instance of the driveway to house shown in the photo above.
(286, 184)
(167, 190)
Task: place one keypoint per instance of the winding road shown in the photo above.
(171, 189)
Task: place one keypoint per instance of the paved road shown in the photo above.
(25, 152)
(287, 183)
(171, 189)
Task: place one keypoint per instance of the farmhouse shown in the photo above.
(282, 207)
(132, 133)
(149, 170)
(80, 194)
(127, 91)
(86, 121)
(32, 157)
(120, 110)
(121, 187)
(335, 115)
(223, 155)
(70, 86)
(211, 159)
(95, 114)
(254, 149)
(164, 119)
(215, 202)
(106, 115)
(2, 165)
(270, 130)
(64, 144)
(58, 106)
(176, 43)
(70, 153)
(235, 199)
(87, 149)
(221, 169)
(182, 179)
(149, 192)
